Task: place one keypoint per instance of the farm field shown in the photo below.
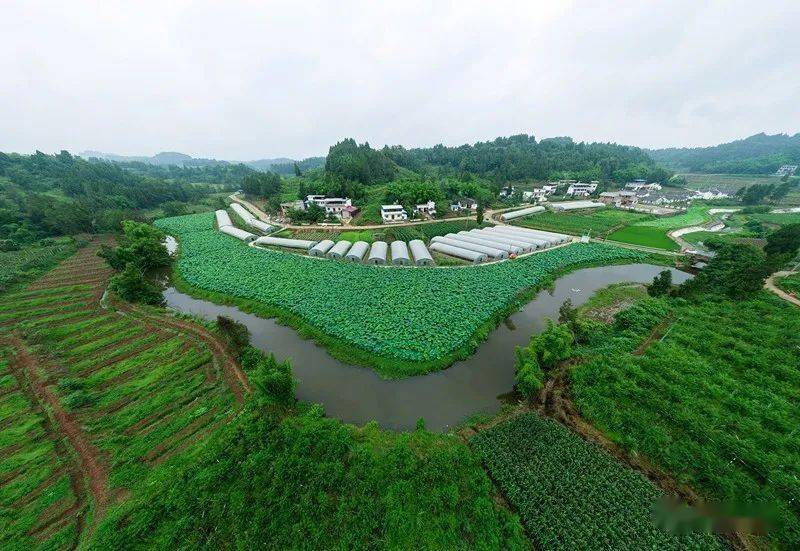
(597, 221)
(571, 494)
(30, 261)
(790, 284)
(695, 215)
(400, 321)
(107, 394)
(710, 397)
(647, 236)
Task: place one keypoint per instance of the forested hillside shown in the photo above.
(49, 195)
(522, 157)
(758, 154)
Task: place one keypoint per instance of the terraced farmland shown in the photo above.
(94, 396)
(571, 494)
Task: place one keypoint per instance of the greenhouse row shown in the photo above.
(226, 226)
(250, 219)
(377, 253)
(497, 243)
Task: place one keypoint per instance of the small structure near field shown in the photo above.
(285, 242)
(574, 205)
(420, 252)
(321, 248)
(520, 213)
(377, 253)
(339, 250)
(357, 251)
(464, 254)
(400, 255)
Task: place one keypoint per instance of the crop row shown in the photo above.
(571, 494)
(714, 399)
(409, 314)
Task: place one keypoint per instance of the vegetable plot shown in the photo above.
(571, 494)
(413, 315)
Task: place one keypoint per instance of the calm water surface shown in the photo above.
(444, 398)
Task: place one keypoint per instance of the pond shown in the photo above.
(444, 398)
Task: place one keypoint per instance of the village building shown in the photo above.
(428, 209)
(465, 203)
(582, 189)
(393, 213)
(622, 199)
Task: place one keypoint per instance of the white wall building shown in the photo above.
(464, 204)
(641, 185)
(393, 213)
(538, 194)
(428, 208)
(332, 205)
(582, 189)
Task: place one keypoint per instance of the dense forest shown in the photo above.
(758, 154)
(521, 157)
(49, 195)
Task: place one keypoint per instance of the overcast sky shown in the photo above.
(246, 80)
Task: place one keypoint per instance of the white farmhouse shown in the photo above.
(464, 204)
(393, 213)
(582, 189)
(428, 208)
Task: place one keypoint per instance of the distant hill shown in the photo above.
(282, 165)
(758, 154)
(165, 158)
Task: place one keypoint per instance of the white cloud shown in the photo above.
(243, 80)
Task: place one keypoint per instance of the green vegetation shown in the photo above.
(696, 214)
(790, 284)
(301, 480)
(572, 495)
(27, 262)
(400, 321)
(597, 221)
(647, 236)
(51, 195)
(729, 183)
(716, 383)
(758, 154)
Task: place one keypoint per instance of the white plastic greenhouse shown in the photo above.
(338, 251)
(357, 251)
(377, 254)
(420, 252)
(250, 219)
(455, 242)
(543, 241)
(285, 242)
(556, 238)
(321, 248)
(466, 236)
(400, 253)
(490, 236)
(458, 252)
(223, 219)
(237, 233)
(520, 213)
(574, 205)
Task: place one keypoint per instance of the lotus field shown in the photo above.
(571, 494)
(414, 315)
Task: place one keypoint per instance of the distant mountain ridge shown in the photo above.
(166, 158)
(758, 154)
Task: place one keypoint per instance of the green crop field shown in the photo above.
(712, 397)
(790, 284)
(695, 215)
(571, 494)
(646, 236)
(420, 318)
(137, 393)
(596, 221)
(31, 261)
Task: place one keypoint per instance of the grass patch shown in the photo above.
(646, 236)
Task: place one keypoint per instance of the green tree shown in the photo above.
(140, 244)
(479, 213)
(736, 270)
(297, 171)
(132, 285)
(661, 284)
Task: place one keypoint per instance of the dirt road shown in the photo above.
(769, 284)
